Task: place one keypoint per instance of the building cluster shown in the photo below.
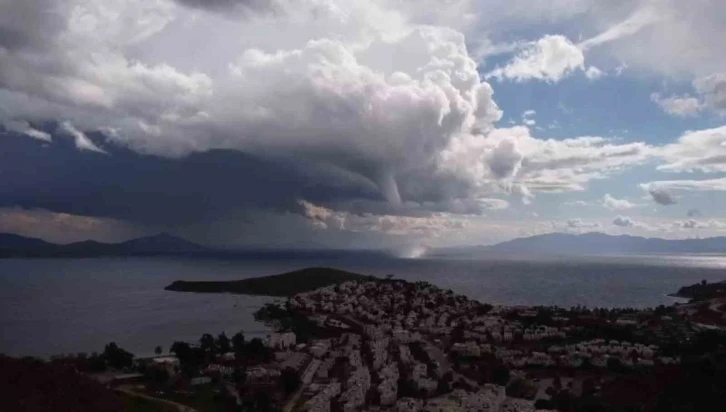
(489, 398)
(259, 374)
(599, 351)
(412, 347)
(400, 306)
(383, 321)
(281, 340)
(349, 373)
(321, 401)
(390, 319)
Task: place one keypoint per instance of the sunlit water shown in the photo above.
(50, 306)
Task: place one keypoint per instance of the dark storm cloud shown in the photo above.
(623, 221)
(226, 5)
(23, 27)
(159, 191)
(662, 197)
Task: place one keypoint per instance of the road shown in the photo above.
(307, 377)
(439, 356)
(128, 389)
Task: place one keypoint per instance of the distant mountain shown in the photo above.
(18, 246)
(9, 241)
(596, 243)
(163, 242)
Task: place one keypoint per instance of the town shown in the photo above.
(374, 344)
(392, 345)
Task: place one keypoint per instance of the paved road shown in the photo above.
(129, 390)
(307, 377)
(439, 356)
(445, 365)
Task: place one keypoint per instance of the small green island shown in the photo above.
(282, 285)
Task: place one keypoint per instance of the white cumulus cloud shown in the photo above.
(678, 106)
(712, 90)
(550, 58)
(578, 224)
(705, 185)
(420, 227)
(612, 203)
(594, 73)
(513, 155)
(710, 95)
(700, 150)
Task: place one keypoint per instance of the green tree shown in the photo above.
(158, 350)
(238, 344)
(615, 365)
(180, 349)
(156, 376)
(116, 357)
(183, 351)
(96, 363)
(263, 402)
(290, 380)
(207, 343)
(256, 347)
(500, 375)
(443, 387)
(239, 375)
(223, 343)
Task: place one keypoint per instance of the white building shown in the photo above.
(281, 340)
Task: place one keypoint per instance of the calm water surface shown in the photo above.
(50, 306)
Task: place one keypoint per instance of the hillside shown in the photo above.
(286, 284)
(33, 385)
(702, 291)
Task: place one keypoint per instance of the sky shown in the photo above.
(361, 124)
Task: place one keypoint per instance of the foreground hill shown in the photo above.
(597, 243)
(34, 385)
(286, 284)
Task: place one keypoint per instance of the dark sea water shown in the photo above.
(51, 306)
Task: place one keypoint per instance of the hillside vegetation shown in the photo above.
(285, 284)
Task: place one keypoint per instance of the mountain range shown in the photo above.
(594, 243)
(12, 245)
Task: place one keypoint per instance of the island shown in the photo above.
(282, 285)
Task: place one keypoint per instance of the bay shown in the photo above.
(53, 306)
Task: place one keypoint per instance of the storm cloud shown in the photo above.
(662, 197)
(359, 116)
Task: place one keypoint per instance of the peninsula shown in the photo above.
(284, 285)
(702, 291)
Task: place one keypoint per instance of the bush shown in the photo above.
(290, 380)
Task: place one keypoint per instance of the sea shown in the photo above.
(61, 306)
